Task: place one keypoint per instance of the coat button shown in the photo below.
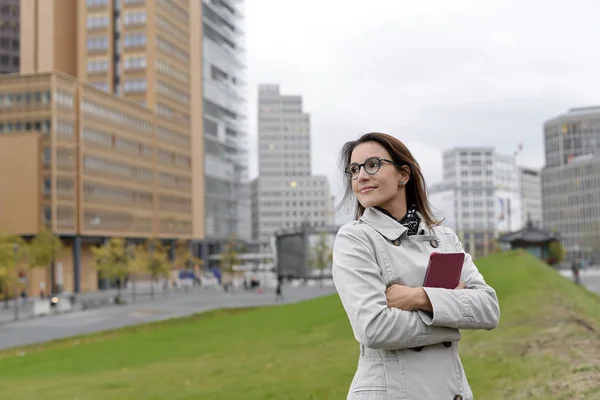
(458, 397)
(434, 243)
(397, 242)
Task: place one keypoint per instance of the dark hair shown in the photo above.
(416, 190)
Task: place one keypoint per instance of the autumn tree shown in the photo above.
(13, 250)
(113, 262)
(43, 251)
(229, 258)
(151, 257)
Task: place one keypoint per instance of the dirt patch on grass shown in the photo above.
(572, 343)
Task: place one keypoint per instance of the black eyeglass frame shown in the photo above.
(380, 159)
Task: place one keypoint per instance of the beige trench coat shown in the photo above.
(406, 354)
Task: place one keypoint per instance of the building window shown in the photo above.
(97, 3)
(135, 18)
(137, 62)
(172, 92)
(97, 21)
(134, 40)
(64, 99)
(135, 86)
(64, 129)
(98, 43)
(97, 66)
(101, 86)
(170, 49)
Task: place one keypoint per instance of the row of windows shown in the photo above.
(135, 18)
(174, 203)
(172, 92)
(134, 40)
(64, 99)
(174, 9)
(24, 98)
(303, 193)
(172, 137)
(5, 43)
(43, 126)
(97, 21)
(96, 3)
(97, 137)
(169, 48)
(111, 114)
(169, 158)
(95, 192)
(135, 86)
(113, 220)
(65, 217)
(170, 225)
(168, 112)
(167, 26)
(64, 129)
(294, 213)
(274, 174)
(172, 72)
(97, 43)
(136, 62)
(97, 65)
(307, 203)
(104, 86)
(169, 180)
(102, 166)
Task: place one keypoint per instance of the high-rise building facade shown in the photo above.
(480, 196)
(531, 195)
(121, 155)
(227, 198)
(571, 180)
(286, 195)
(9, 36)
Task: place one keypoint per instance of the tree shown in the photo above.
(151, 257)
(113, 263)
(321, 255)
(13, 250)
(556, 253)
(183, 257)
(43, 250)
(230, 258)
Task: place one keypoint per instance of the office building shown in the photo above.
(531, 195)
(109, 102)
(571, 180)
(285, 194)
(480, 196)
(9, 36)
(227, 197)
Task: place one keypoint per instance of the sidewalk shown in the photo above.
(138, 293)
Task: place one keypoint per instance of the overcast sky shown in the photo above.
(435, 74)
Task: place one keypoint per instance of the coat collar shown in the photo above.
(385, 225)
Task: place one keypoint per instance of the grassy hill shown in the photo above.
(547, 347)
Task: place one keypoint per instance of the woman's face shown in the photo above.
(386, 187)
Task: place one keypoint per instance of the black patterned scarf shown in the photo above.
(411, 220)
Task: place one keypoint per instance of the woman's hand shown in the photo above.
(410, 299)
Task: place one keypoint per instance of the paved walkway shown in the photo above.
(175, 305)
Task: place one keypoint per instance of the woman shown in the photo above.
(408, 334)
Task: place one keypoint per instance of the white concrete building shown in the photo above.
(285, 194)
(531, 195)
(480, 196)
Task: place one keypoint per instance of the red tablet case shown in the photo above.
(444, 270)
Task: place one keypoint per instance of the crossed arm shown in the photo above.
(362, 290)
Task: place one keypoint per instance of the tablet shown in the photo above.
(444, 270)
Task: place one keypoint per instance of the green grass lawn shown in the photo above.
(547, 347)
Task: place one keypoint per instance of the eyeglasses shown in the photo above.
(371, 166)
